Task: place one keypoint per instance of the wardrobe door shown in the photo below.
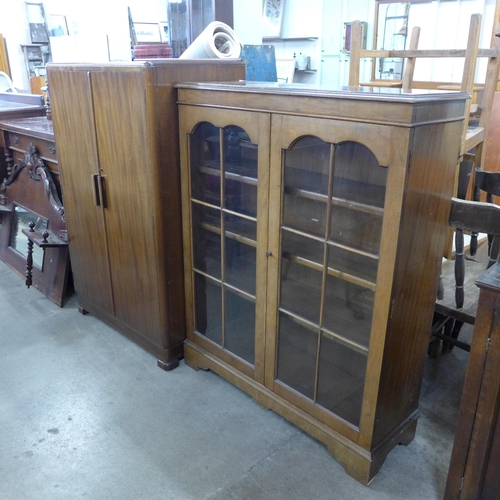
(73, 109)
(126, 160)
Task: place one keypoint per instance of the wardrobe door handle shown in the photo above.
(97, 196)
(102, 185)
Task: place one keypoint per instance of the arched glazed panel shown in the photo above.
(333, 201)
(223, 186)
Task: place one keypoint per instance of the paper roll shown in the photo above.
(217, 40)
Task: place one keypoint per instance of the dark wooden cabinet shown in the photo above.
(31, 192)
(117, 134)
(314, 223)
(475, 459)
(13, 105)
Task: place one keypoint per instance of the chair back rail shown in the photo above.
(457, 296)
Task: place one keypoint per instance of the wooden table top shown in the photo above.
(36, 126)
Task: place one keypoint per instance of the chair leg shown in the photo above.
(456, 331)
(448, 332)
(433, 347)
(436, 336)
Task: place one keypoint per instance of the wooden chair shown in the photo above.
(458, 295)
(37, 85)
(459, 299)
(477, 121)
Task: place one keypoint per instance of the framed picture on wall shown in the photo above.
(73, 24)
(58, 25)
(285, 70)
(165, 36)
(272, 18)
(147, 32)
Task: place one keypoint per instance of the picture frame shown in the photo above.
(272, 18)
(285, 70)
(147, 32)
(164, 33)
(58, 25)
(73, 24)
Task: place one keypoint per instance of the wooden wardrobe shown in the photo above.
(117, 143)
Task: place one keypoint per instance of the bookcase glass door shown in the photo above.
(331, 223)
(223, 176)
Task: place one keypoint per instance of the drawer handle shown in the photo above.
(15, 139)
(52, 149)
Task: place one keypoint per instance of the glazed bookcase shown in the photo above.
(314, 224)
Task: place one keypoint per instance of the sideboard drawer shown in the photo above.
(20, 142)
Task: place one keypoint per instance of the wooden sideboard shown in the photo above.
(118, 149)
(18, 132)
(31, 192)
(14, 105)
(475, 459)
(314, 223)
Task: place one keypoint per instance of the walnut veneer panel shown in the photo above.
(85, 223)
(475, 458)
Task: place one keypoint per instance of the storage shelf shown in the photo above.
(345, 276)
(299, 39)
(355, 330)
(364, 196)
(233, 176)
(230, 235)
(341, 202)
(240, 282)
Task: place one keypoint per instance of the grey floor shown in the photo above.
(85, 413)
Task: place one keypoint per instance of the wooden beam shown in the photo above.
(4, 57)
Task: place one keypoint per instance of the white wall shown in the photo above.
(301, 33)
(303, 18)
(112, 20)
(247, 16)
(13, 27)
(445, 25)
(94, 18)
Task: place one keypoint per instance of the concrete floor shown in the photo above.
(85, 413)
